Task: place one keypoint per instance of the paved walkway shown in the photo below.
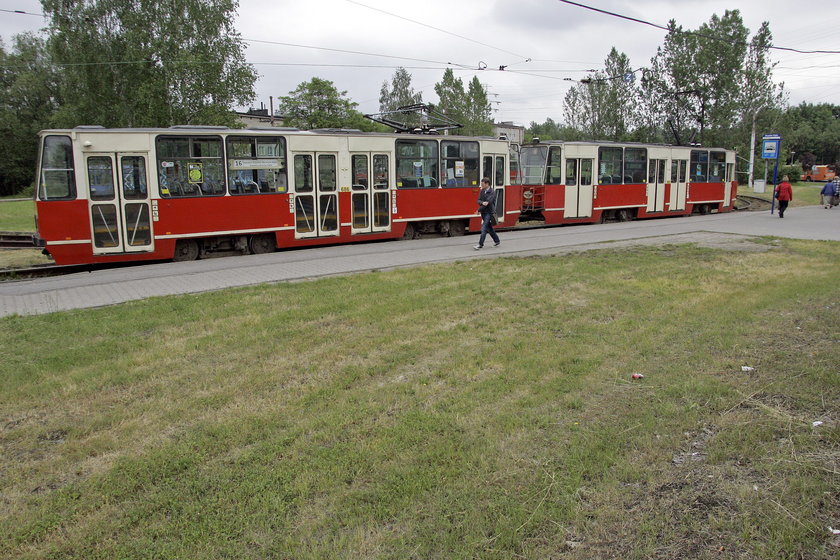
(108, 287)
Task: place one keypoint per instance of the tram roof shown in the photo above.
(266, 130)
(613, 143)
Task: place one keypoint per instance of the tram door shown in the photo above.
(370, 195)
(679, 168)
(656, 185)
(579, 189)
(120, 212)
(316, 195)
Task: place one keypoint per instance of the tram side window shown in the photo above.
(500, 171)
(717, 166)
(100, 178)
(190, 166)
(460, 163)
(730, 171)
(554, 167)
(532, 161)
(256, 165)
(417, 164)
(635, 163)
(515, 177)
(699, 168)
(380, 172)
(611, 165)
(58, 177)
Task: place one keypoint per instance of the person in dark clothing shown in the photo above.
(784, 193)
(487, 210)
(827, 193)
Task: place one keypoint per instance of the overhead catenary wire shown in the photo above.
(526, 59)
(705, 35)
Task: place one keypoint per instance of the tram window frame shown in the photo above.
(634, 167)
(717, 166)
(615, 166)
(532, 160)
(169, 149)
(488, 167)
(57, 162)
(327, 173)
(100, 177)
(264, 178)
(360, 174)
(381, 174)
(411, 152)
(515, 176)
(467, 153)
(554, 174)
(699, 166)
(500, 171)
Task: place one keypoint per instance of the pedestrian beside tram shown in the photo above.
(784, 194)
(487, 209)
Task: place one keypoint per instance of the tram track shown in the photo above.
(16, 240)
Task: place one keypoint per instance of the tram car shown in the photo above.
(186, 192)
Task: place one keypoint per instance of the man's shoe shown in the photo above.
(497, 243)
(477, 247)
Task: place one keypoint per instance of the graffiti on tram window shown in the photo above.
(256, 165)
(190, 166)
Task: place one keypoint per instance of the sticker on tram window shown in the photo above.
(459, 168)
(167, 164)
(195, 174)
(418, 168)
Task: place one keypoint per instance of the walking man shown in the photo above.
(487, 210)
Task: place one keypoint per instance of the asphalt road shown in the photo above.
(112, 286)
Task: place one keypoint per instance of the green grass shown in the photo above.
(17, 215)
(467, 410)
(804, 194)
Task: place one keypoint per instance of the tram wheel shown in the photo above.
(186, 250)
(262, 244)
(410, 232)
(456, 228)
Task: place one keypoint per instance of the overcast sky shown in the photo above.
(562, 42)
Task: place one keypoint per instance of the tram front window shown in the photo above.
(532, 162)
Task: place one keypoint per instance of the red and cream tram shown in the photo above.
(107, 195)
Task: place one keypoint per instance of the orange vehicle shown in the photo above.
(818, 173)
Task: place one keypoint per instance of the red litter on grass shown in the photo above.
(637, 376)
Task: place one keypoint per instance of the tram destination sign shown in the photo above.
(262, 163)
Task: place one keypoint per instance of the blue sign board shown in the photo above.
(770, 146)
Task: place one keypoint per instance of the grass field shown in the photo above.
(17, 215)
(804, 194)
(466, 410)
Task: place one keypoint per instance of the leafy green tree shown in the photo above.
(813, 132)
(142, 63)
(601, 106)
(400, 93)
(479, 118)
(318, 104)
(452, 99)
(695, 79)
(551, 130)
(27, 104)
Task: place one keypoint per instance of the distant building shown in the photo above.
(513, 132)
(258, 118)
